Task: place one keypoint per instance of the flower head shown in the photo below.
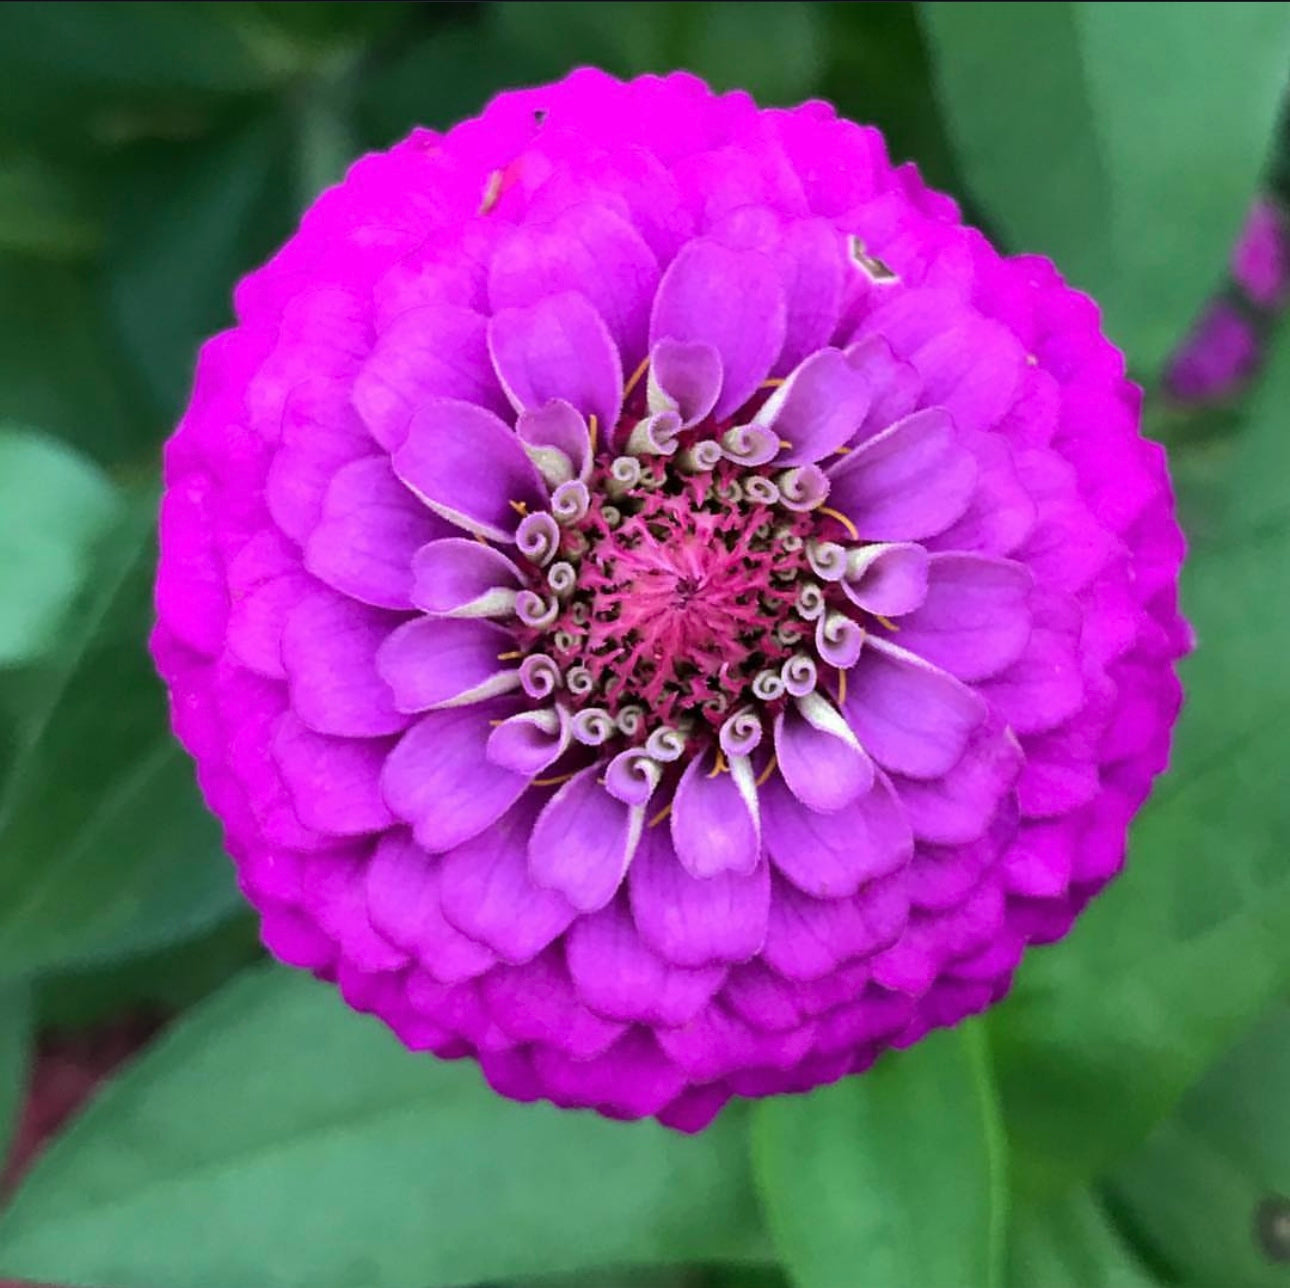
(660, 606)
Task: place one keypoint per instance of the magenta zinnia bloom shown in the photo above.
(1216, 358)
(659, 606)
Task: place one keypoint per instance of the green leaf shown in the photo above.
(774, 49)
(45, 210)
(1124, 140)
(80, 71)
(274, 1137)
(1105, 1031)
(55, 504)
(896, 1178)
(172, 979)
(59, 365)
(15, 1042)
(187, 221)
(105, 847)
(1210, 1193)
(1072, 1244)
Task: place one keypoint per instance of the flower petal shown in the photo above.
(334, 783)
(912, 717)
(691, 922)
(370, 528)
(715, 819)
(731, 300)
(468, 466)
(589, 249)
(684, 378)
(819, 757)
(975, 620)
(817, 409)
(440, 780)
(404, 893)
(909, 482)
(807, 938)
(558, 347)
(329, 648)
(620, 977)
(426, 354)
(485, 882)
(888, 579)
(434, 662)
(557, 440)
(831, 856)
(583, 841)
(457, 577)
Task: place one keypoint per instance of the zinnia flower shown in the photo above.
(659, 606)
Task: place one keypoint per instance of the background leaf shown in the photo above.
(105, 846)
(1190, 946)
(1211, 1191)
(275, 1138)
(15, 1037)
(1124, 140)
(54, 504)
(1072, 1243)
(894, 1178)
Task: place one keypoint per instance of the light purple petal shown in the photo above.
(975, 620)
(370, 528)
(589, 249)
(440, 780)
(536, 1003)
(334, 783)
(434, 662)
(715, 820)
(912, 717)
(894, 384)
(812, 255)
(909, 482)
(404, 886)
(583, 841)
(957, 807)
(458, 577)
(731, 300)
(329, 648)
(887, 579)
(558, 348)
(691, 922)
(831, 856)
(817, 409)
(557, 441)
(684, 378)
(486, 886)
(621, 978)
(426, 354)
(530, 741)
(819, 758)
(807, 938)
(468, 466)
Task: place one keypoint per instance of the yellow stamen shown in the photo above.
(520, 507)
(636, 377)
(887, 622)
(495, 723)
(660, 816)
(479, 536)
(492, 191)
(784, 443)
(773, 383)
(720, 767)
(842, 519)
(770, 769)
(593, 427)
(509, 657)
(556, 781)
(841, 451)
(842, 686)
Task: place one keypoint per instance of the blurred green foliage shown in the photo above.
(1108, 1127)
